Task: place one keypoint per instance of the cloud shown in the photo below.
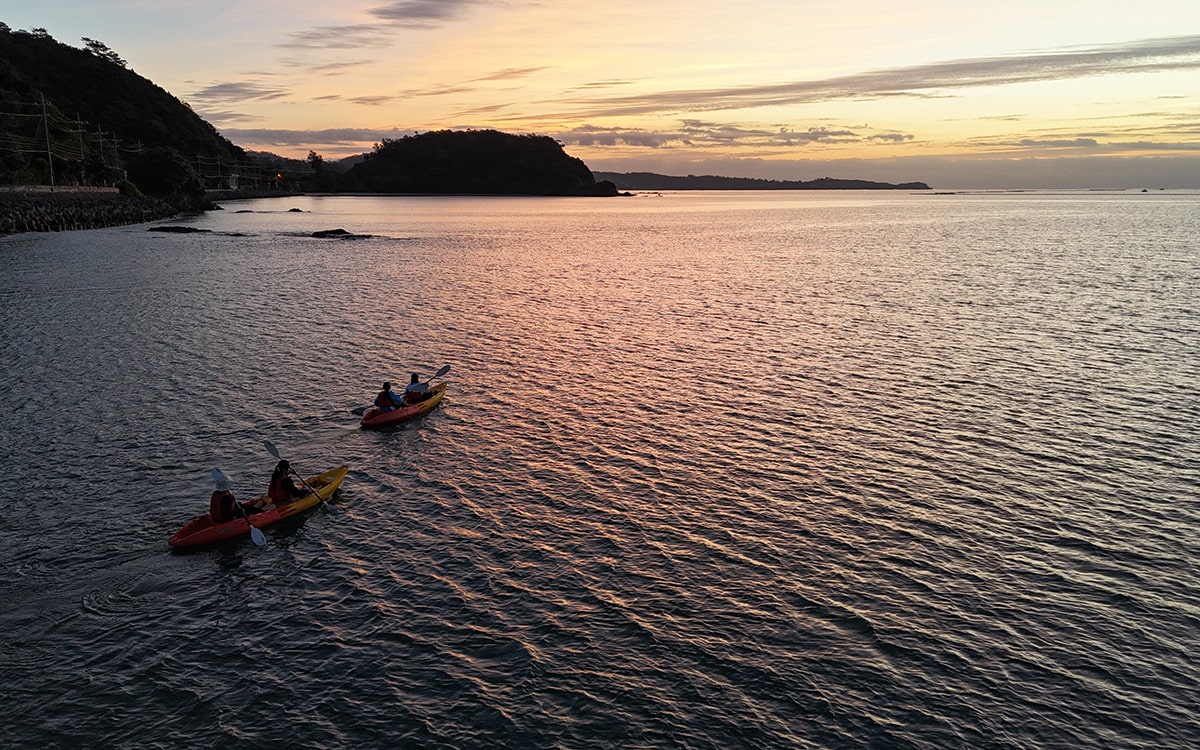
(1083, 143)
(420, 14)
(605, 84)
(348, 136)
(1004, 118)
(1155, 146)
(238, 91)
(375, 100)
(933, 79)
(816, 135)
(372, 101)
(1064, 143)
(593, 136)
(423, 13)
(700, 134)
(216, 119)
(442, 90)
(446, 89)
(354, 36)
(509, 74)
(327, 68)
(487, 109)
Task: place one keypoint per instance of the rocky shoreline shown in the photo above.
(67, 209)
(60, 212)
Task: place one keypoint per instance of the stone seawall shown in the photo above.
(64, 211)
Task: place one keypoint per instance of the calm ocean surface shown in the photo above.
(714, 470)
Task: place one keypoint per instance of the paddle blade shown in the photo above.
(441, 372)
(271, 449)
(256, 534)
(360, 411)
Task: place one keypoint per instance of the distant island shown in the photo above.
(651, 181)
(456, 162)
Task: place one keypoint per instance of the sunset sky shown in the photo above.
(955, 93)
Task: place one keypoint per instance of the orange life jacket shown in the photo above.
(221, 506)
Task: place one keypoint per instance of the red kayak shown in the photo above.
(375, 418)
(202, 530)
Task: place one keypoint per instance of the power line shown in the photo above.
(75, 142)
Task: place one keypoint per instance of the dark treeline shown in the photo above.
(651, 181)
(482, 162)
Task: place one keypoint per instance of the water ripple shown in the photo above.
(712, 471)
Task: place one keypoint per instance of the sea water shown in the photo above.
(714, 470)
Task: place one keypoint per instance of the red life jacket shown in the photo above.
(282, 490)
(385, 399)
(221, 506)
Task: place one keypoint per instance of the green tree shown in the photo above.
(162, 172)
(102, 50)
(323, 179)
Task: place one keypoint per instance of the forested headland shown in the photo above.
(480, 162)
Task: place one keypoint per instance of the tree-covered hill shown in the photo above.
(472, 162)
(103, 122)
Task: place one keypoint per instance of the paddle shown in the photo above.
(272, 450)
(256, 534)
(361, 410)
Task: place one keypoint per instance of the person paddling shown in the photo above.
(386, 400)
(416, 391)
(282, 489)
(223, 506)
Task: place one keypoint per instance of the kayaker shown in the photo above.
(223, 505)
(282, 489)
(386, 400)
(416, 390)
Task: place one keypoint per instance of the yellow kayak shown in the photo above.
(202, 530)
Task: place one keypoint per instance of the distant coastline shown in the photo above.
(652, 181)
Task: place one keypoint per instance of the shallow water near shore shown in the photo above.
(828, 470)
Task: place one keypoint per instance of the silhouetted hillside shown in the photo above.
(104, 122)
(482, 162)
(651, 181)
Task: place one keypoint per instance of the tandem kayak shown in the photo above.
(374, 418)
(202, 530)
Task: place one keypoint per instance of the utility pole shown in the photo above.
(103, 166)
(49, 151)
(82, 152)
